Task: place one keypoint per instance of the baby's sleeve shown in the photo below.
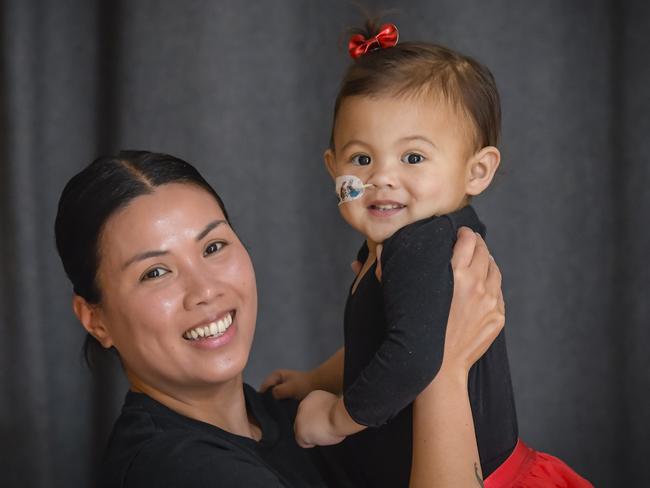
(417, 284)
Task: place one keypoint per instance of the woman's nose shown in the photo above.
(200, 289)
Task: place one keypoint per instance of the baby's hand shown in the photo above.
(289, 383)
(314, 425)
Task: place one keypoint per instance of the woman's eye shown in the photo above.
(413, 158)
(213, 247)
(361, 159)
(154, 273)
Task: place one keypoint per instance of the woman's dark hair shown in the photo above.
(418, 68)
(89, 199)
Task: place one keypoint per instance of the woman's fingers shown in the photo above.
(283, 390)
(464, 248)
(493, 278)
(494, 296)
(471, 253)
(481, 258)
(272, 380)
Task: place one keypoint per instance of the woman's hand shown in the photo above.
(289, 383)
(477, 312)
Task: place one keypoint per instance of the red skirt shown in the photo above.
(527, 468)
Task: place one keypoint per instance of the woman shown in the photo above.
(159, 275)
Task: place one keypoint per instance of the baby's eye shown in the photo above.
(213, 247)
(412, 158)
(154, 273)
(361, 159)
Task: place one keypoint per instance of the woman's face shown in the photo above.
(179, 300)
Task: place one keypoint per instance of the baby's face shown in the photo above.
(415, 151)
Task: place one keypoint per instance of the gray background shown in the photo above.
(244, 90)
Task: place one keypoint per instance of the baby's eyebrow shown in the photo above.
(352, 142)
(417, 138)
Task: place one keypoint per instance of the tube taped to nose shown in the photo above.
(349, 187)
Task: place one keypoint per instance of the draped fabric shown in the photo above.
(245, 91)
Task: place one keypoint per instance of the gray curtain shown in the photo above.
(244, 90)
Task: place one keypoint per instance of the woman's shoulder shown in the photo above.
(152, 445)
(149, 444)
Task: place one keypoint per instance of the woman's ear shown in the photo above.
(482, 167)
(330, 162)
(91, 320)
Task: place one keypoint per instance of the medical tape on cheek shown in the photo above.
(349, 188)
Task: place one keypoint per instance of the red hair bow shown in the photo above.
(359, 45)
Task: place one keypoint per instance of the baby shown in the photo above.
(415, 135)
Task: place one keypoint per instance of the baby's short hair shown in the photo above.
(415, 68)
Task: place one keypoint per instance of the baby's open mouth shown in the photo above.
(213, 329)
(385, 207)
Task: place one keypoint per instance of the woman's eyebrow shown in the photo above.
(152, 254)
(208, 228)
(142, 256)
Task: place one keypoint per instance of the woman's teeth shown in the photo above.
(214, 329)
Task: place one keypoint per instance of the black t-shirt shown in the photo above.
(153, 446)
(394, 341)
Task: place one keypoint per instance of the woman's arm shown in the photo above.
(445, 452)
(329, 375)
(291, 383)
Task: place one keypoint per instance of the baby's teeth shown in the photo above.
(200, 331)
(194, 334)
(214, 329)
(228, 320)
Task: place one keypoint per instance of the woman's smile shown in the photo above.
(173, 269)
(210, 328)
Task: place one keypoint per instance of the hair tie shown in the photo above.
(386, 37)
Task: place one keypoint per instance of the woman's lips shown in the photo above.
(214, 342)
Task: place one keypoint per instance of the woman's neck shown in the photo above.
(223, 406)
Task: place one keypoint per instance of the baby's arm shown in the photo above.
(445, 453)
(289, 383)
(417, 284)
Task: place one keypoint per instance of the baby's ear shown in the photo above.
(482, 167)
(90, 317)
(330, 162)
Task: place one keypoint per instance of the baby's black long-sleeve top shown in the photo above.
(395, 337)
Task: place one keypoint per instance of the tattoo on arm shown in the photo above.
(478, 476)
